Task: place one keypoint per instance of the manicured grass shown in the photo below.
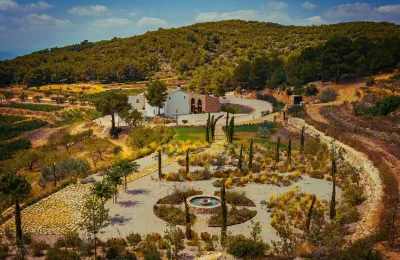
(246, 132)
(197, 133)
(33, 107)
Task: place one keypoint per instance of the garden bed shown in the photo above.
(235, 216)
(172, 214)
(176, 198)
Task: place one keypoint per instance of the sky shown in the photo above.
(30, 25)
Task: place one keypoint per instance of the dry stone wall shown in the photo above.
(370, 179)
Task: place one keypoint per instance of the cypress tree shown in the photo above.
(240, 157)
(208, 129)
(302, 139)
(227, 120)
(251, 155)
(231, 129)
(224, 214)
(188, 223)
(289, 151)
(308, 222)
(332, 211)
(159, 164)
(277, 150)
(187, 161)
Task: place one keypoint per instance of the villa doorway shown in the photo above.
(199, 107)
(192, 106)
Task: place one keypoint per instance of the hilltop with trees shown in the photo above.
(217, 56)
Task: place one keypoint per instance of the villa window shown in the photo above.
(137, 101)
(169, 97)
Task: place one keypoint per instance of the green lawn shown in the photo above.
(245, 132)
(190, 133)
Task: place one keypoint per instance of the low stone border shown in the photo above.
(370, 177)
(204, 209)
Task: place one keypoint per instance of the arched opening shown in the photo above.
(199, 106)
(192, 106)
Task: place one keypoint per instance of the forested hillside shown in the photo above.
(219, 55)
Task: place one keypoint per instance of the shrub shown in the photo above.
(205, 236)
(388, 105)
(38, 248)
(237, 198)
(297, 111)
(4, 251)
(328, 95)
(117, 149)
(231, 109)
(184, 121)
(246, 248)
(55, 253)
(353, 195)
(172, 214)
(216, 183)
(11, 131)
(152, 255)
(115, 248)
(133, 239)
(176, 197)
(235, 216)
(370, 81)
(311, 90)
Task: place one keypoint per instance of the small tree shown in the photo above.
(289, 152)
(187, 161)
(328, 95)
(96, 148)
(251, 155)
(159, 165)
(277, 150)
(131, 117)
(15, 188)
(95, 217)
(224, 211)
(240, 157)
(114, 178)
(157, 94)
(174, 236)
(126, 167)
(30, 157)
(256, 229)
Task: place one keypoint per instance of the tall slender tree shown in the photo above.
(289, 152)
(240, 157)
(187, 161)
(251, 155)
(310, 211)
(224, 211)
(208, 128)
(16, 188)
(332, 211)
(159, 165)
(302, 139)
(231, 129)
(277, 150)
(213, 125)
(188, 221)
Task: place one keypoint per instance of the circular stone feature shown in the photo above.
(202, 204)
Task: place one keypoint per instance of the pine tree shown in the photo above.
(240, 157)
(289, 152)
(251, 155)
(224, 211)
(187, 161)
(332, 211)
(277, 150)
(159, 165)
(308, 222)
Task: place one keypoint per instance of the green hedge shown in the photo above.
(33, 107)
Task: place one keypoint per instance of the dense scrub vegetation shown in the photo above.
(219, 55)
(8, 149)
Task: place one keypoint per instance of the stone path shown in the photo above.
(56, 214)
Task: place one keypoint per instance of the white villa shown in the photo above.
(178, 103)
